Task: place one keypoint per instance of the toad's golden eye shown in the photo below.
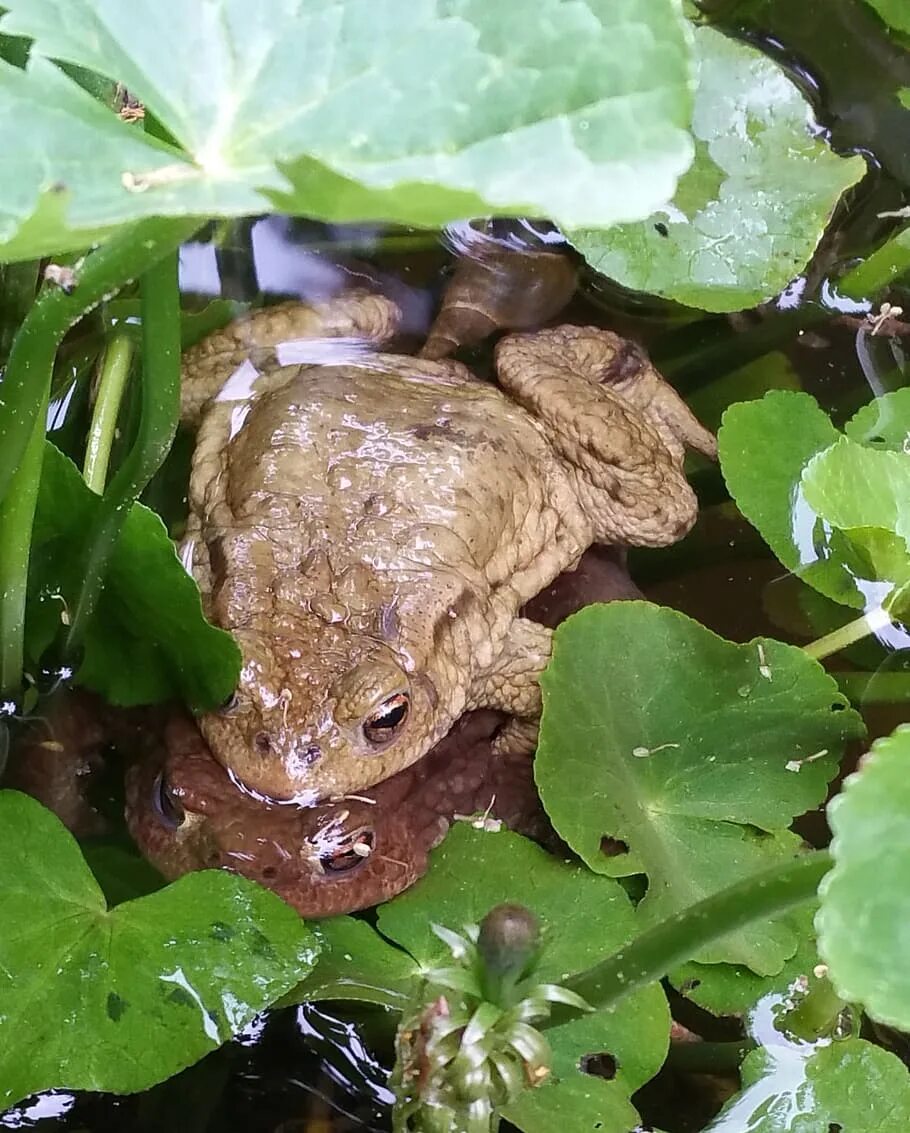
(386, 722)
(351, 853)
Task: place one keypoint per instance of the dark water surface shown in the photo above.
(316, 1069)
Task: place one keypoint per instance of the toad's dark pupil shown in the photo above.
(388, 719)
(169, 810)
(347, 858)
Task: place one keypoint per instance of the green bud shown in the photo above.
(508, 945)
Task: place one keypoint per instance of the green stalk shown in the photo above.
(28, 373)
(848, 634)
(160, 298)
(17, 514)
(24, 395)
(655, 952)
(115, 370)
(883, 267)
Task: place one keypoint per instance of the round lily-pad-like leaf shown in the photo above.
(695, 755)
(764, 447)
(118, 999)
(748, 214)
(883, 423)
(422, 111)
(847, 1086)
(584, 918)
(864, 921)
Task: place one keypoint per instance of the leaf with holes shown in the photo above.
(93, 998)
(748, 214)
(584, 918)
(695, 755)
(421, 111)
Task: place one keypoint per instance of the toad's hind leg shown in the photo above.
(363, 317)
(617, 422)
(511, 684)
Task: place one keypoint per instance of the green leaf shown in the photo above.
(893, 12)
(584, 918)
(764, 447)
(747, 216)
(148, 639)
(851, 485)
(883, 423)
(99, 999)
(733, 989)
(863, 492)
(422, 111)
(695, 755)
(865, 911)
(356, 963)
(849, 1086)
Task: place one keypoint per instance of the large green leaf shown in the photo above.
(847, 1086)
(864, 921)
(413, 110)
(148, 639)
(694, 753)
(117, 999)
(750, 211)
(893, 12)
(584, 918)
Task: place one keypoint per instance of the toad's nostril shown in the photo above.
(262, 743)
(312, 754)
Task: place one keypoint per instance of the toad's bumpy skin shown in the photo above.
(369, 528)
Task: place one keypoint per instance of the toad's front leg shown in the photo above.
(511, 684)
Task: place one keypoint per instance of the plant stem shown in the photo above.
(655, 952)
(848, 634)
(24, 396)
(160, 298)
(28, 373)
(115, 369)
(816, 1014)
(17, 514)
(883, 267)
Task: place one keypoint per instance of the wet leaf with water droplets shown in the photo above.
(748, 214)
(118, 999)
(420, 111)
(583, 919)
(727, 772)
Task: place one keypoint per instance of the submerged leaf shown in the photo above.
(748, 214)
(422, 111)
(118, 999)
(865, 911)
(695, 755)
(148, 640)
(583, 918)
(849, 1085)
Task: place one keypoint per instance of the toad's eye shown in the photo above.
(386, 722)
(166, 805)
(349, 854)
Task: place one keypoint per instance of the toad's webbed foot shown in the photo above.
(614, 419)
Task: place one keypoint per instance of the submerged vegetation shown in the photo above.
(683, 164)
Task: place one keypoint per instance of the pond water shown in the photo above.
(321, 1068)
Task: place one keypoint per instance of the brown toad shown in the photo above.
(369, 525)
